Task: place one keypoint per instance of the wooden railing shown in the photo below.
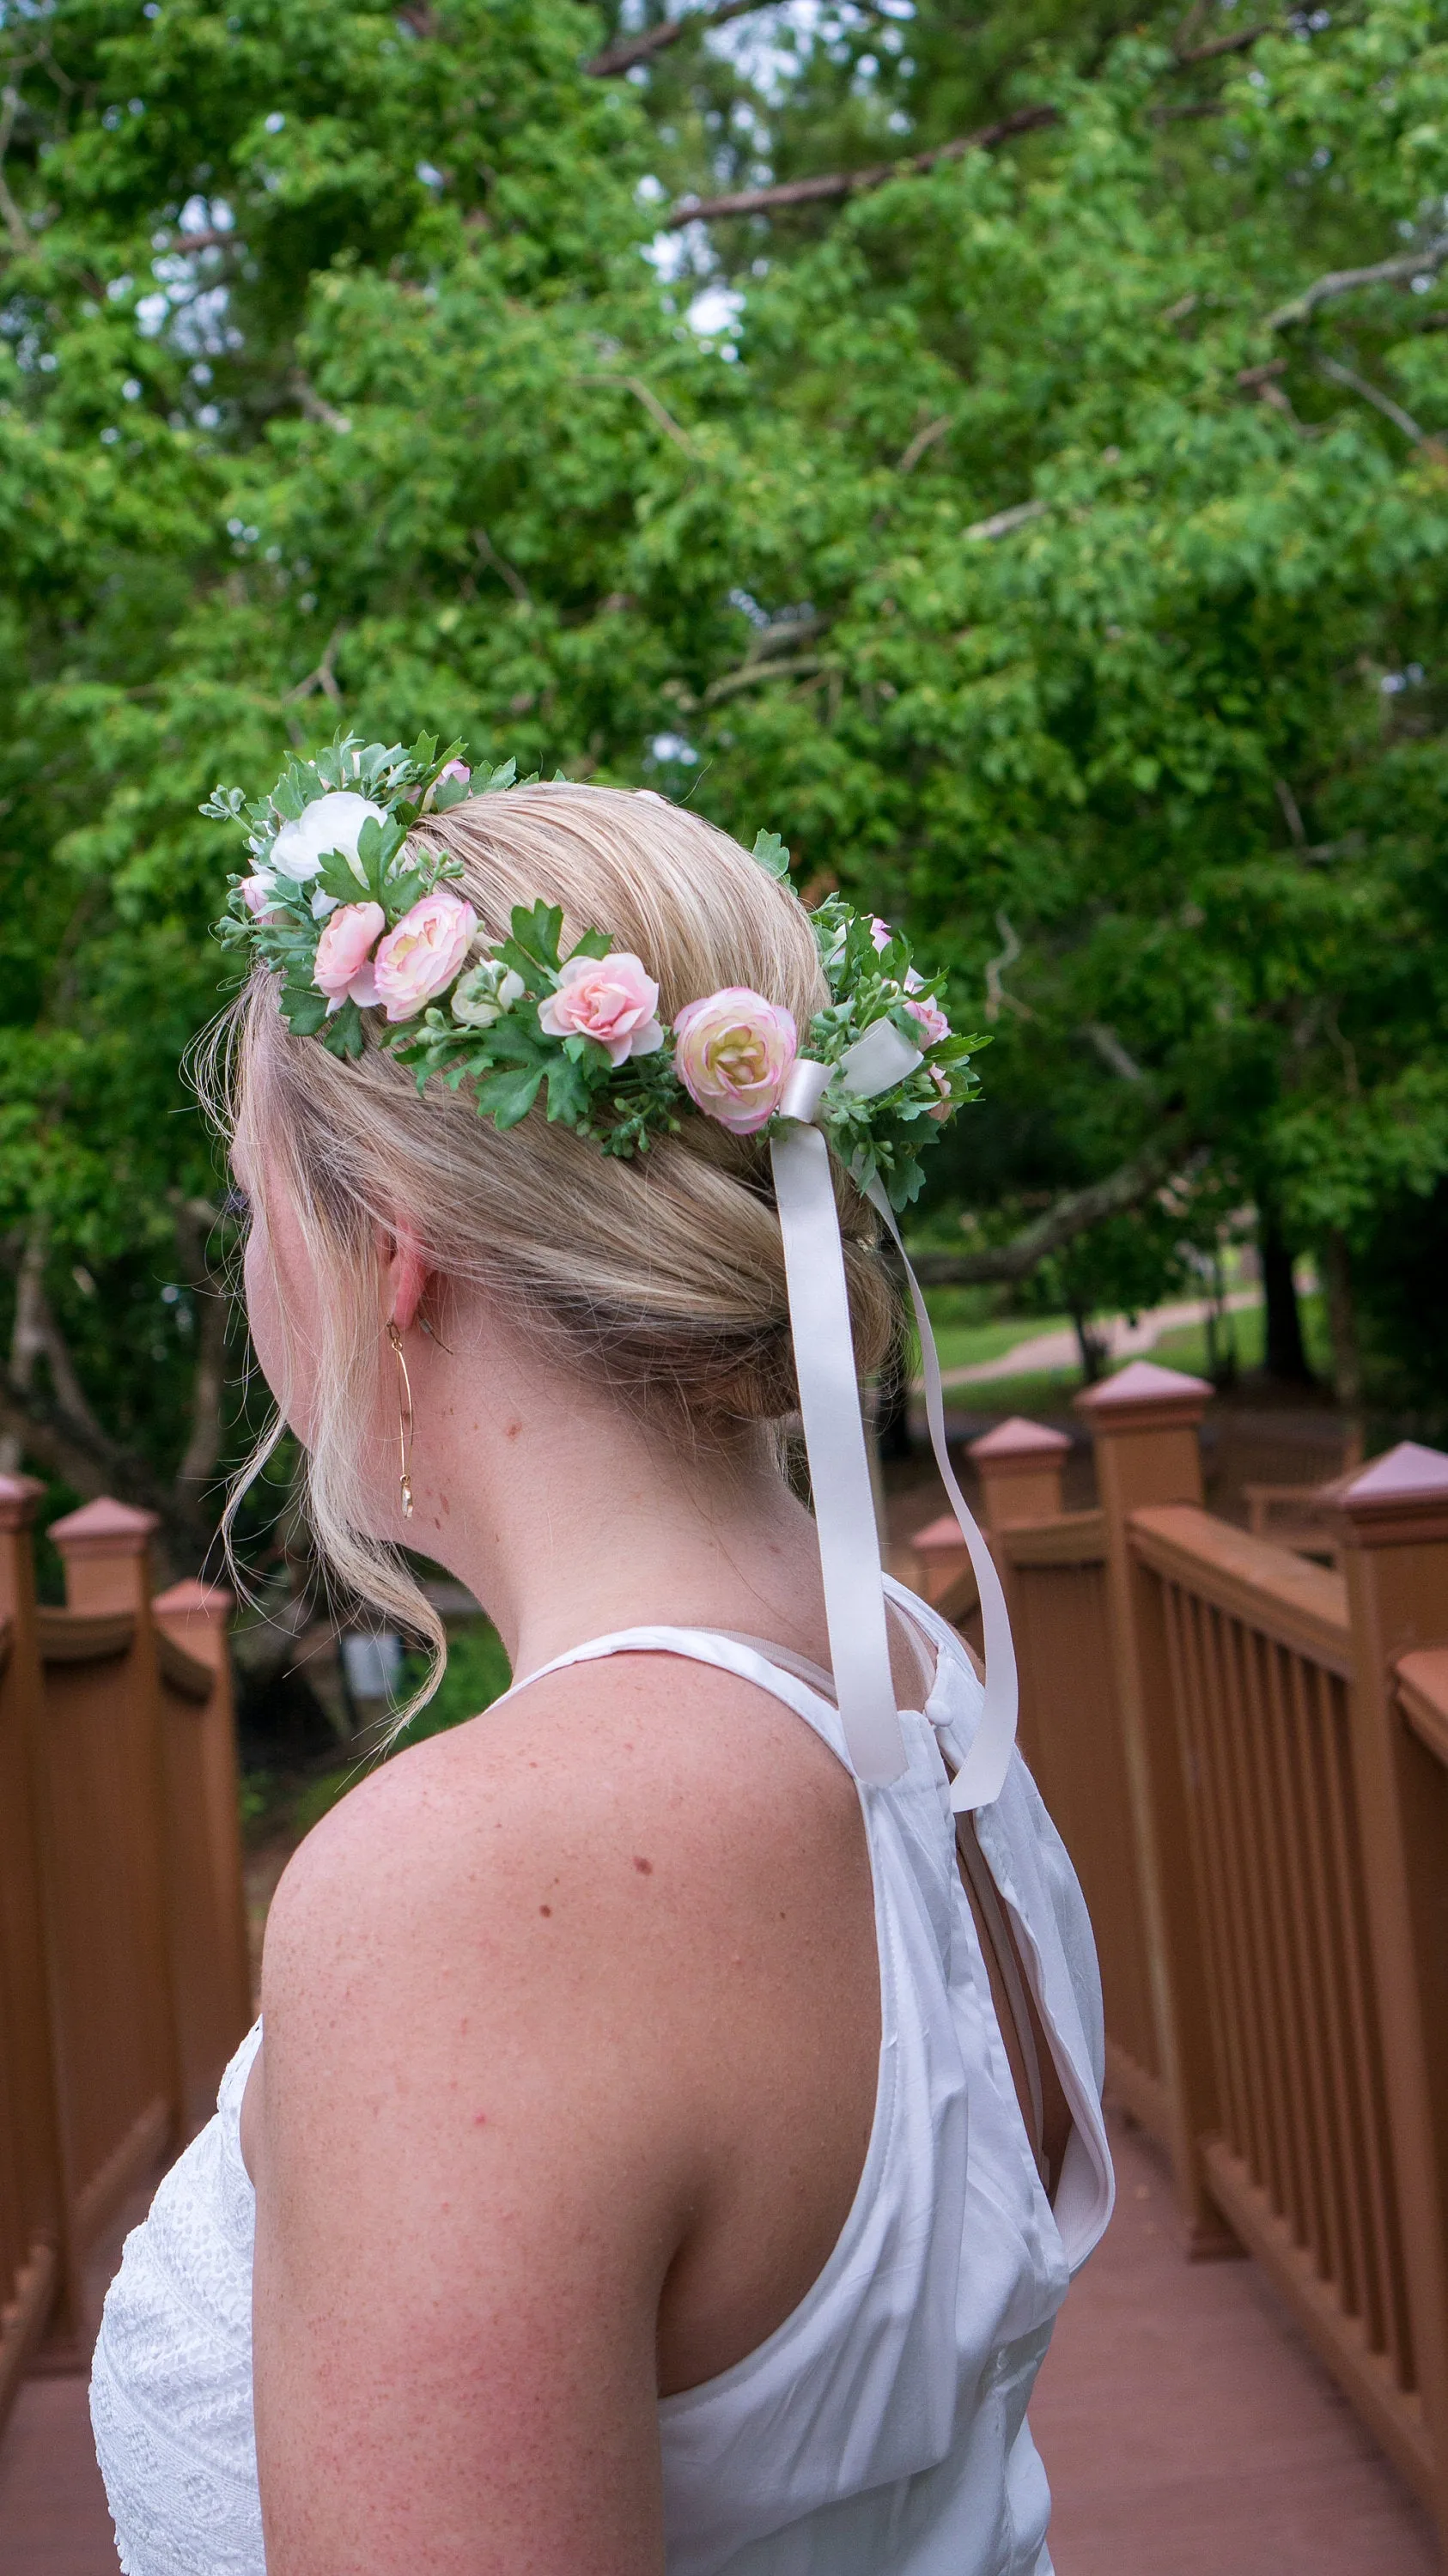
(1247, 1755)
(123, 1970)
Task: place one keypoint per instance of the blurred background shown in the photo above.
(1002, 445)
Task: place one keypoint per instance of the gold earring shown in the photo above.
(404, 1425)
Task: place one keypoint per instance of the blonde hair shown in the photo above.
(663, 1277)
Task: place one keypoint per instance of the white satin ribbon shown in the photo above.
(982, 1775)
(834, 1434)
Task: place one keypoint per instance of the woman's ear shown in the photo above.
(405, 1273)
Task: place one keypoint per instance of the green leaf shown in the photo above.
(336, 876)
(770, 853)
(343, 1033)
(506, 1098)
(569, 1092)
(533, 941)
(303, 1010)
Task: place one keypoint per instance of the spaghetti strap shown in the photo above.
(805, 1687)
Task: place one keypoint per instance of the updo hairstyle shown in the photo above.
(661, 1279)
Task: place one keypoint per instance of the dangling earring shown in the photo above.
(404, 1425)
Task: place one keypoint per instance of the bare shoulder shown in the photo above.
(609, 1804)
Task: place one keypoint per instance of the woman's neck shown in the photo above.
(567, 1515)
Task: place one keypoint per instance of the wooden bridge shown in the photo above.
(1247, 1753)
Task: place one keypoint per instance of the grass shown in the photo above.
(1046, 1391)
(1187, 1349)
(964, 1337)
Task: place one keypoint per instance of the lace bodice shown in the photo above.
(171, 2386)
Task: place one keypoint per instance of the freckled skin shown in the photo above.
(464, 2316)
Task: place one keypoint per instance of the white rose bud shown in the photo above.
(484, 994)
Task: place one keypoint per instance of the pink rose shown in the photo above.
(612, 999)
(946, 1102)
(344, 970)
(929, 1019)
(733, 1056)
(423, 953)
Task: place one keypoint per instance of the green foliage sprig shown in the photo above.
(511, 1057)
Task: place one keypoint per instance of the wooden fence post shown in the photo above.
(117, 2041)
(1019, 1465)
(32, 2196)
(1144, 1425)
(1394, 1516)
(206, 1899)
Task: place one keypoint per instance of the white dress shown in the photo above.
(881, 2429)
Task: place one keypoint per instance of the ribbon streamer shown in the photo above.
(834, 1436)
(982, 1774)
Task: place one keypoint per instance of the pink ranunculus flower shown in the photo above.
(733, 1054)
(946, 1102)
(423, 953)
(929, 1018)
(258, 893)
(880, 931)
(613, 999)
(344, 969)
(455, 769)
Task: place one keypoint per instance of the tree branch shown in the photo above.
(499, 564)
(36, 1335)
(196, 1223)
(923, 440)
(315, 405)
(1337, 374)
(90, 1460)
(1219, 45)
(625, 51)
(15, 223)
(324, 677)
(645, 394)
(779, 666)
(1002, 522)
(1071, 1216)
(851, 183)
(1423, 262)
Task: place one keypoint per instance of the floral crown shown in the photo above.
(352, 916)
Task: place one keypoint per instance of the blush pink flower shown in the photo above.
(258, 893)
(455, 769)
(946, 1102)
(733, 1055)
(344, 969)
(880, 931)
(612, 999)
(929, 1018)
(423, 953)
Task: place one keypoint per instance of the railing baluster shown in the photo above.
(1285, 1808)
(1212, 1861)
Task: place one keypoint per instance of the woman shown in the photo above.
(651, 2160)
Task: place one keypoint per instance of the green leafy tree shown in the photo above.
(1042, 531)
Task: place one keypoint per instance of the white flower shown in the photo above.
(485, 993)
(332, 822)
(322, 904)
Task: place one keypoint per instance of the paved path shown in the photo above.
(1123, 1340)
(1186, 2428)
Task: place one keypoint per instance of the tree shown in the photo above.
(1046, 539)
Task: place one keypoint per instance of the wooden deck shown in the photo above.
(1186, 2427)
